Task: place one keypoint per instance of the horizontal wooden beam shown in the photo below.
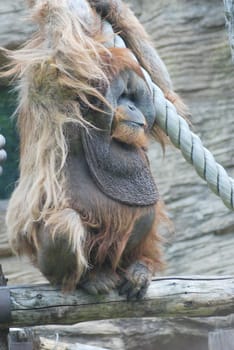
(167, 297)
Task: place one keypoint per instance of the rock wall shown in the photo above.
(229, 15)
(14, 27)
(191, 38)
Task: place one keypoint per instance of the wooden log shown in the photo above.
(170, 297)
(28, 339)
(146, 333)
(47, 344)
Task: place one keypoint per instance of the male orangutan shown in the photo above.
(86, 207)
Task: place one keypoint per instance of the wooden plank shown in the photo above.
(167, 297)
